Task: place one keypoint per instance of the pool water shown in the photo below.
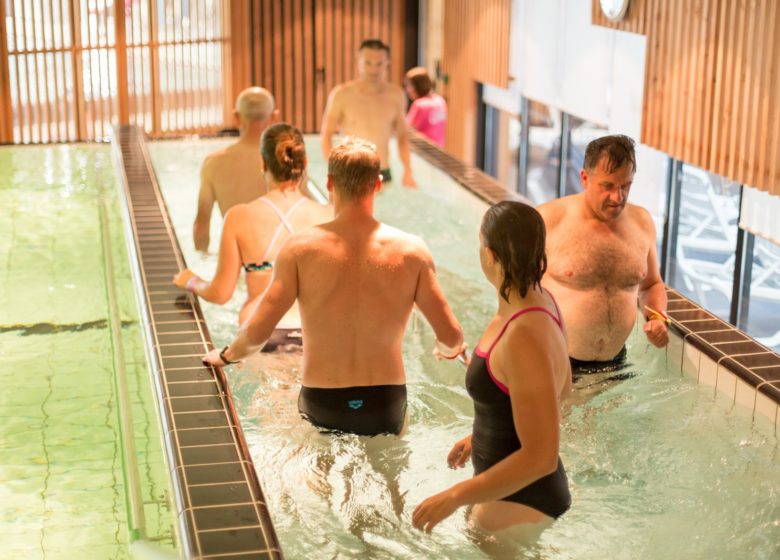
(659, 467)
(61, 477)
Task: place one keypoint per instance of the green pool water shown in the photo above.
(61, 469)
(659, 467)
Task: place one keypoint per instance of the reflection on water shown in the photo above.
(645, 456)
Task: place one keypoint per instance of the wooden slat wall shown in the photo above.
(475, 49)
(712, 84)
(70, 69)
(6, 115)
(281, 56)
(303, 48)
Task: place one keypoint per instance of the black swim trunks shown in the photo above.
(612, 369)
(386, 175)
(282, 338)
(365, 411)
(596, 366)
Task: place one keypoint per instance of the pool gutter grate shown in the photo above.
(481, 184)
(755, 364)
(221, 510)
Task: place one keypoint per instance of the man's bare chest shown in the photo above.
(587, 258)
(369, 110)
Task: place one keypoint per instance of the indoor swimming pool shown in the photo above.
(72, 357)
(659, 466)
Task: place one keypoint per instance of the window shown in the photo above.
(649, 187)
(763, 309)
(702, 265)
(581, 133)
(502, 157)
(544, 147)
(72, 74)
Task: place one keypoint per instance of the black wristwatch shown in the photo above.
(224, 359)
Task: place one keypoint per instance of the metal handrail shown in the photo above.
(136, 520)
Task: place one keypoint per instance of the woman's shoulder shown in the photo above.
(236, 214)
(531, 328)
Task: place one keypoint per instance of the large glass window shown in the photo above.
(502, 159)
(544, 147)
(764, 306)
(649, 187)
(703, 261)
(581, 133)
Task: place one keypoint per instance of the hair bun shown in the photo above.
(284, 151)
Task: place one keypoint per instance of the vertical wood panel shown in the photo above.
(475, 49)
(751, 85)
(771, 60)
(320, 77)
(712, 84)
(703, 132)
(304, 48)
(123, 112)
(6, 111)
(309, 74)
(772, 180)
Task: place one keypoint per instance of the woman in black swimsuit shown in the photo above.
(517, 377)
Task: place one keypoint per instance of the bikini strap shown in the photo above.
(282, 223)
(283, 217)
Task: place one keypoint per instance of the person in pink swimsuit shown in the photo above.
(428, 113)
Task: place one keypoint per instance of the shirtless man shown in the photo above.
(356, 281)
(234, 175)
(601, 256)
(370, 108)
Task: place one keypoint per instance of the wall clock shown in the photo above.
(614, 10)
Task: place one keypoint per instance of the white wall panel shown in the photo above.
(760, 212)
(587, 64)
(541, 37)
(627, 84)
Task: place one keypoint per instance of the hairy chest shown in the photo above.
(588, 257)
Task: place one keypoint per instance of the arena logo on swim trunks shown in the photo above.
(354, 405)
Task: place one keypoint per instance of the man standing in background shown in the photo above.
(235, 175)
(370, 108)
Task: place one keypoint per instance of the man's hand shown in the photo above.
(656, 332)
(213, 359)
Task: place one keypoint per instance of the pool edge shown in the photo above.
(208, 458)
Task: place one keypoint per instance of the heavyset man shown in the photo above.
(602, 257)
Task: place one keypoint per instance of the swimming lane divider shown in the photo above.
(221, 511)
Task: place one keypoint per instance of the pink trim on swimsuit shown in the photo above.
(486, 355)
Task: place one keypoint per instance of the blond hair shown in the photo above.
(354, 168)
